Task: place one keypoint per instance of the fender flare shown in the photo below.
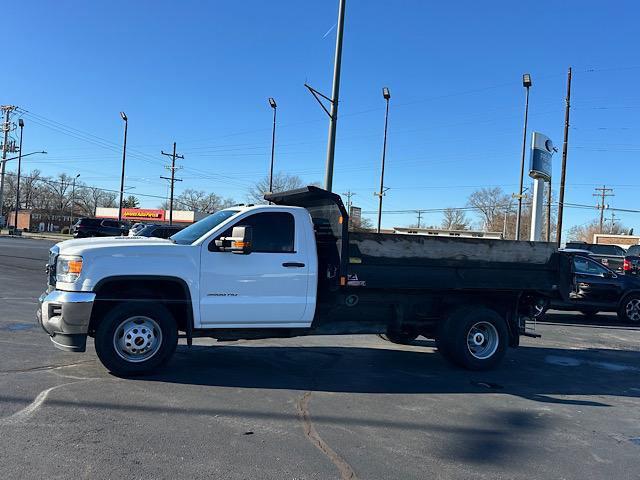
(189, 324)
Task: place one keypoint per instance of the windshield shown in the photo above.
(193, 232)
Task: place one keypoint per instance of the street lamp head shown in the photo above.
(124, 116)
(77, 175)
(272, 102)
(526, 80)
(20, 122)
(386, 93)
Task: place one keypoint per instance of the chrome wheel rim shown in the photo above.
(482, 340)
(633, 310)
(137, 339)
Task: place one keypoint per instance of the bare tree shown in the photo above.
(281, 183)
(585, 232)
(28, 188)
(88, 199)
(455, 219)
(366, 225)
(199, 201)
(490, 204)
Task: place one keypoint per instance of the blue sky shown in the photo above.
(199, 73)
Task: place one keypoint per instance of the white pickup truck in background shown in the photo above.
(288, 269)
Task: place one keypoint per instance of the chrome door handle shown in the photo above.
(293, 264)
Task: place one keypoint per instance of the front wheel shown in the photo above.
(474, 338)
(629, 310)
(136, 338)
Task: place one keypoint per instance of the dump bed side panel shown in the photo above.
(406, 248)
(441, 263)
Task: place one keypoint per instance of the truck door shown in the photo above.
(267, 287)
(595, 283)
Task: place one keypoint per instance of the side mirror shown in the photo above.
(238, 242)
(608, 275)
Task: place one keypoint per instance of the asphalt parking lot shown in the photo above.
(564, 406)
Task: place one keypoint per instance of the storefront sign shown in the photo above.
(142, 214)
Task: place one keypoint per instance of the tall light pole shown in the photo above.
(73, 200)
(272, 102)
(386, 95)
(526, 83)
(333, 114)
(124, 156)
(15, 218)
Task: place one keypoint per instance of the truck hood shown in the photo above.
(85, 245)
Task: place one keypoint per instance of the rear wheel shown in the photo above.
(136, 338)
(629, 310)
(474, 338)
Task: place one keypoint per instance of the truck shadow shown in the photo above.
(545, 375)
(601, 320)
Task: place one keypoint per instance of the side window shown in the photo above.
(584, 265)
(109, 223)
(272, 232)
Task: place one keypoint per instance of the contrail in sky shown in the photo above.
(329, 31)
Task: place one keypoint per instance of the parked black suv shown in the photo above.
(597, 288)
(98, 227)
(158, 231)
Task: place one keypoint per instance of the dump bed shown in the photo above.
(442, 263)
(419, 262)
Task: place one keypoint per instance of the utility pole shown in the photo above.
(332, 112)
(419, 212)
(349, 194)
(6, 127)
(333, 116)
(73, 201)
(15, 219)
(386, 95)
(613, 220)
(603, 194)
(172, 179)
(563, 173)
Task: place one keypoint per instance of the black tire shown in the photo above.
(589, 312)
(401, 338)
(626, 312)
(453, 340)
(115, 319)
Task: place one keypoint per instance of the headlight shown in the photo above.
(68, 268)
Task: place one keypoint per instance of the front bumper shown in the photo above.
(65, 317)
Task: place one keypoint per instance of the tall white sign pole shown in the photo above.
(540, 170)
(536, 212)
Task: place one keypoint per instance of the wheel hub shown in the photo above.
(633, 310)
(483, 340)
(137, 339)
